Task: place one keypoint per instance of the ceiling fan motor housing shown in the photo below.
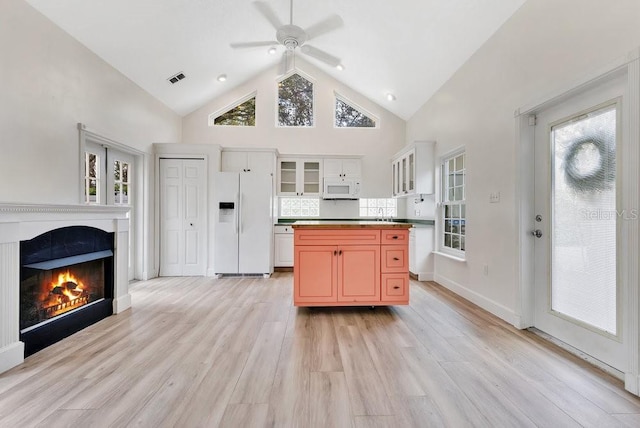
(291, 36)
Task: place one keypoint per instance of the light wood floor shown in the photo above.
(199, 352)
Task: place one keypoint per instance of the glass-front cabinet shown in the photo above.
(299, 177)
(412, 170)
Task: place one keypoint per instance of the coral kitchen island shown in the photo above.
(350, 263)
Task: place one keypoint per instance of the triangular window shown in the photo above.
(295, 101)
(350, 116)
(242, 113)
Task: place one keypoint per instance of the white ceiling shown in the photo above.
(406, 47)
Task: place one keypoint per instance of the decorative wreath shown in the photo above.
(600, 178)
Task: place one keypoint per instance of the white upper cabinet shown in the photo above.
(412, 170)
(343, 168)
(234, 160)
(300, 176)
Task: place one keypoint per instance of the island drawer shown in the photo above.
(336, 236)
(394, 258)
(395, 287)
(395, 237)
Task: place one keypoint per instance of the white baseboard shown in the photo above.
(632, 383)
(489, 305)
(11, 356)
(425, 276)
(211, 273)
(122, 303)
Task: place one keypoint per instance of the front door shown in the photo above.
(578, 220)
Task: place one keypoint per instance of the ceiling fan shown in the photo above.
(292, 37)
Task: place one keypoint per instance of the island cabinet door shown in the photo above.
(359, 273)
(314, 274)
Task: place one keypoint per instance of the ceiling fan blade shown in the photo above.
(329, 24)
(268, 13)
(285, 63)
(252, 44)
(321, 55)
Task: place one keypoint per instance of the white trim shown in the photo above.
(488, 305)
(357, 107)
(11, 356)
(213, 116)
(450, 256)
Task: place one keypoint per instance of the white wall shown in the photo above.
(542, 49)
(50, 82)
(377, 145)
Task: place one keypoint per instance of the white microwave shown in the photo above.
(341, 188)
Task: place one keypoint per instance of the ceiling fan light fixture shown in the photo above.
(340, 67)
(222, 78)
(391, 97)
(272, 50)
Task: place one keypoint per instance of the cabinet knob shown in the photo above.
(395, 237)
(340, 252)
(335, 253)
(395, 258)
(396, 287)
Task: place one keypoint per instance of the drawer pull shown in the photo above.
(395, 237)
(396, 287)
(396, 259)
(340, 252)
(335, 252)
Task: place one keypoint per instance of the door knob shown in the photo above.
(537, 233)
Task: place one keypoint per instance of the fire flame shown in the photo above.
(63, 279)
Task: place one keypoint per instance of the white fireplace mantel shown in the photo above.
(20, 222)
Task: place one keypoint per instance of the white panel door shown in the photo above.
(577, 225)
(182, 217)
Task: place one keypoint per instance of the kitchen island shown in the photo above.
(350, 263)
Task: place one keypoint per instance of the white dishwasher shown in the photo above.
(283, 245)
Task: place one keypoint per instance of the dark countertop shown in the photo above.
(414, 222)
(350, 224)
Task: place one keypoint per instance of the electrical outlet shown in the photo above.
(417, 213)
(494, 197)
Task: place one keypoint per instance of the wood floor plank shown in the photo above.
(256, 381)
(366, 391)
(245, 415)
(329, 399)
(289, 398)
(65, 419)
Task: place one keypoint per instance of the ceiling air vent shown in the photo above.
(176, 78)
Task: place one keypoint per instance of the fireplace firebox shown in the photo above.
(66, 284)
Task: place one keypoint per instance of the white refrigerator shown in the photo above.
(243, 223)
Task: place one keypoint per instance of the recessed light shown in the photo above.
(222, 78)
(272, 50)
(391, 97)
(340, 67)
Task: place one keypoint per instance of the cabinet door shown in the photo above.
(403, 175)
(359, 273)
(333, 167)
(260, 161)
(283, 249)
(314, 274)
(411, 172)
(287, 177)
(233, 161)
(311, 177)
(351, 168)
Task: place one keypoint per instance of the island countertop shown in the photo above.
(350, 224)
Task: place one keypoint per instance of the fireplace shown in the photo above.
(66, 284)
(92, 245)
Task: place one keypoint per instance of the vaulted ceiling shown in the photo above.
(408, 48)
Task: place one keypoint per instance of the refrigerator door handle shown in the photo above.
(240, 213)
(235, 218)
